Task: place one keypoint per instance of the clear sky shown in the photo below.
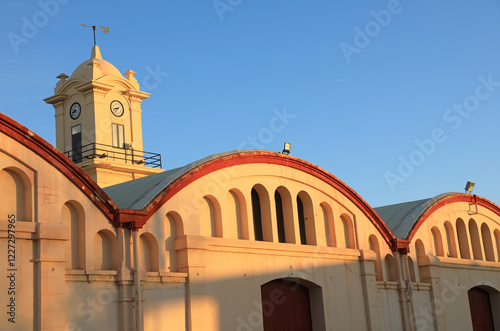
(398, 99)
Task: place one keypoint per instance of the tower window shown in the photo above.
(76, 143)
(118, 135)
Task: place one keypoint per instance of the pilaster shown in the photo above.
(369, 280)
(429, 266)
(191, 251)
(125, 281)
(51, 271)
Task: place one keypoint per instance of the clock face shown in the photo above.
(116, 108)
(75, 110)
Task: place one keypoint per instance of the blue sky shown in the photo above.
(398, 99)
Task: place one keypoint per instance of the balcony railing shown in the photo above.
(116, 154)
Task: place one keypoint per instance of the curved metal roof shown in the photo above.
(401, 217)
(138, 193)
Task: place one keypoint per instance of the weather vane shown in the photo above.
(104, 29)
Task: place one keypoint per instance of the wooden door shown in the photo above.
(480, 310)
(285, 306)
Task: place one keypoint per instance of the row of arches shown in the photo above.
(156, 257)
(464, 241)
(274, 217)
(386, 268)
(474, 243)
(16, 196)
(105, 249)
(105, 244)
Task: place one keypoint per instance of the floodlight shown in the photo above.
(286, 148)
(469, 187)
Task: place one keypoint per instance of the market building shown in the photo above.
(104, 238)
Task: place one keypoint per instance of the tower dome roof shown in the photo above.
(104, 68)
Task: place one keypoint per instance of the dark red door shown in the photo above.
(285, 306)
(480, 310)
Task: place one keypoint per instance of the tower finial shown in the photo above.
(104, 29)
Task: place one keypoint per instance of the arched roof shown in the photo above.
(60, 162)
(140, 193)
(405, 218)
(151, 192)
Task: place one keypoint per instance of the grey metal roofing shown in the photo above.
(138, 193)
(400, 217)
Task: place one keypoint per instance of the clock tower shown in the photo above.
(98, 122)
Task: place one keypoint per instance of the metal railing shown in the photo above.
(116, 154)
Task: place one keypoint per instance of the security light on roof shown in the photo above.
(286, 148)
(469, 187)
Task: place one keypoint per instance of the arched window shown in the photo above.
(378, 263)
(261, 211)
(475, 240)
(302, 222)
(15, 194)
(487, 243)
(73, 218)
(420, 250)
(463, 239)
(329, 224)
(105, 250)
(411, 267)
(306, 219)
(450, 238)
(279, 217)
(348, 234)
(390, 265)
(438, 242)
(257, 216)
(148, 246)
(284, 215)
(497, 239)
(239, 213)
(210, 217)
(173, 229)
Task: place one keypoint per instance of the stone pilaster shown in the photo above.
(51, 273)
(369, 279)
(191, 251)
(429, 273)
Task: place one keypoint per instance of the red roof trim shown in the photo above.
(59, 161)
(460, 197)
(271, 158)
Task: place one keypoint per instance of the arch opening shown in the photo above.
(73, 217)
(105, 250)
(261, 214)
(450, 239)
(374, 246)
(463, 239)
(475, 240)
(148, 247)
